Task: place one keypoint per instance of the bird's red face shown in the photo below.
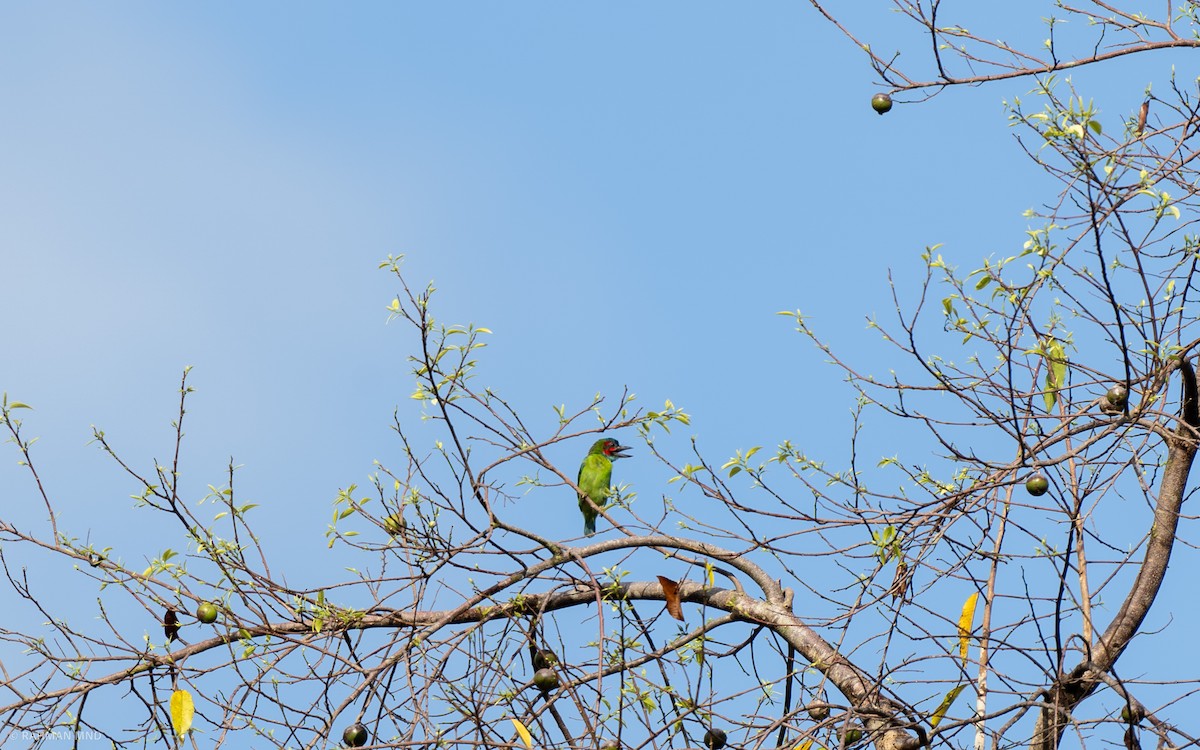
(614, 450)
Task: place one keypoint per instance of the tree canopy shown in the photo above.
(984, 581)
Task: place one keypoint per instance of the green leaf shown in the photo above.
(1056, 370)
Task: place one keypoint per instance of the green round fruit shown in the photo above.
(714, 739)
(610, 745)
(207, 613)
(355, 735)
(394, 524)
(1037, 485)
(545, 679)
(818, 710)
(1117, 396)
(544, 658)
(850, 734)
(1128, 717)
(881, 103)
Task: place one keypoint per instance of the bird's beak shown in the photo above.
(619, 452)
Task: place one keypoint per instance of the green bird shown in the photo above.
(595, 478)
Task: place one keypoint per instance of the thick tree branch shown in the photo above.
(1071, 688)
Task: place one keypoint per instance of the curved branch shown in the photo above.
(1071, 688)
(773, 611)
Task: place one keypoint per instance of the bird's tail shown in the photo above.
(589, 525)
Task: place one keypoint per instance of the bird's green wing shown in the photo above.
(595, 477)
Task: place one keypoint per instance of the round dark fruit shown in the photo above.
(355, 735)
(207, 613)
(850, 734)
(544, 658)
(714, 739)
(1127, 717)
(881, 103)
(818, 711)
(545, 679)
(394, 524)
(1037, 485)
(1117, 396)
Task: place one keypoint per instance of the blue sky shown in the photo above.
(199, 186)
(625, 194)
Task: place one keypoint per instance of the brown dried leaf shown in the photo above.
(899, 587)
(1131, 740)
(671, 592)
(171, 625)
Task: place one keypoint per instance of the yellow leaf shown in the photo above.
(525, 737)
(965, 625)
(711, 570)
(942, 709)
(805, 745)
(182, 712)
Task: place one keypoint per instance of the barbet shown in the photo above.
(595, 478)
